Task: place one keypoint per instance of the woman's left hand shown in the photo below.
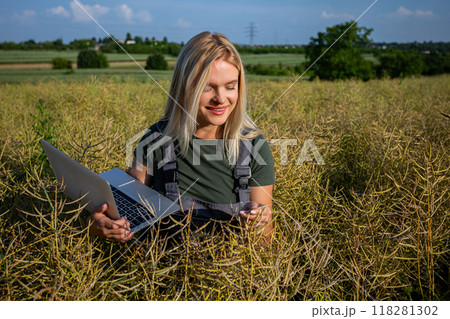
(256, 215)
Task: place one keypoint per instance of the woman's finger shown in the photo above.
(259, 217)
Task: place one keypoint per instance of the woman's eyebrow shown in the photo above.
(231, 82)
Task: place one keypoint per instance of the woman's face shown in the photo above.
(220, 95)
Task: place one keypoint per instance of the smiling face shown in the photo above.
(218, 100)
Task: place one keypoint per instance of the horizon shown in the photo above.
(240, 44)
(253, 22)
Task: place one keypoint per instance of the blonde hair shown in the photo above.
(190, 78)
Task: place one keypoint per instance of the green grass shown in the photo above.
(19, 56)
(371, 224)
(46, 75)
(117, 73)
(274, 59)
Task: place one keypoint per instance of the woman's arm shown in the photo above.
(118, 230)
(139, 171)
(258, 212)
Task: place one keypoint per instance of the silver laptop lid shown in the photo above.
(80, 182)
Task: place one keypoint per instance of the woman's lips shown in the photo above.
(217, 110)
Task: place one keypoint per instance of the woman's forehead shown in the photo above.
(223, 72)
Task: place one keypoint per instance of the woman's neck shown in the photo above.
(210, 132)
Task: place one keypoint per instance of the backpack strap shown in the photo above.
(242, 171)
(170, 170)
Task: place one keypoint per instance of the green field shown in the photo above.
(17, 56)
(274, 59)
(370, 224)
(47, 74)
(116, 73)
(125, 71)
(33, 66)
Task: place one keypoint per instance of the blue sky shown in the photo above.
(276, 22)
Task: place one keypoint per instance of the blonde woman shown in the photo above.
(205, 151)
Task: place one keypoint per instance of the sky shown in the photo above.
(274, 22)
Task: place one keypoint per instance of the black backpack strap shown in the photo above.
(170, 170)
(242, 171)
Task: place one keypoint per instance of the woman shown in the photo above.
(206, 162)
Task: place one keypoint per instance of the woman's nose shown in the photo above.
(220, 96)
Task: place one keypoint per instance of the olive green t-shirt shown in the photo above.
(206, 173)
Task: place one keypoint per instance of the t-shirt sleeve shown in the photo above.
(148, 151)
(263, 171)
(141, 150)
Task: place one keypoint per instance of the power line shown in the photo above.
(251, 32)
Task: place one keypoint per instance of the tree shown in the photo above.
(60, 63)
(396, 63)
(91, 59)
(436, 63)
(344, 59)
(156, 62)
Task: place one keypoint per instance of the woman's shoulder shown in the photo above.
(254, 135)
(159, 126)
(153, 134)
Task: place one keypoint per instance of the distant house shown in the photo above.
(130, 42)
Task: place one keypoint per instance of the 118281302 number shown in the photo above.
(410, 310)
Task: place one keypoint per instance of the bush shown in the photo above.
(400, 64)
(436, 63)
(156, 62)
(261, 69)
(90, 59)
(59, 63)
(103, 60)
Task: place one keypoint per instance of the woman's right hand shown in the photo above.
(105, 227)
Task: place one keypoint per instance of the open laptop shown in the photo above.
(124, 194)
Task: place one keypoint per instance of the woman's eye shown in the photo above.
(231, 88)
(207, 89)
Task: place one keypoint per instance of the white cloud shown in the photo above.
(343, 16)
(25, 17)
(80, 15)
(59, 11)
(183, 23)
(144, 16)
(403, 12)
(424, 13)
(125, 13)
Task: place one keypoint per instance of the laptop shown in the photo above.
(124, 194)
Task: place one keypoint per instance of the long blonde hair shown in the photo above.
(190, 77)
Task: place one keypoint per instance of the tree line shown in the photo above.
(333, 59)
(341, 53)
(138, 44)
(337, 53)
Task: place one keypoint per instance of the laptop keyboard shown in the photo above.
(136, 213)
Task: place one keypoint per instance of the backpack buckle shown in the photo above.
(242, 171)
